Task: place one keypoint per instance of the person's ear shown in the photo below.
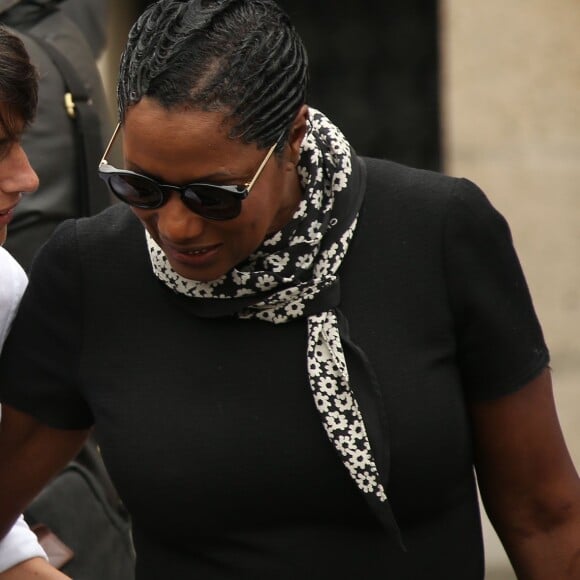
(297, 132)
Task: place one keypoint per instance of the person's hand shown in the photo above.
(33, 569)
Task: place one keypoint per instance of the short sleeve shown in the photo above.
(500, 345)
(39, 367)
(18, 545)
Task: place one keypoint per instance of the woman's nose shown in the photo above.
(177, 223)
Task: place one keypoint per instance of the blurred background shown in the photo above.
(487, 90)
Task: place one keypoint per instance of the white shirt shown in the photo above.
(20, 543)
(12, 284)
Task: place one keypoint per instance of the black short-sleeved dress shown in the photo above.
(208, 426)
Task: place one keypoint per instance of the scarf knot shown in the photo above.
(292, 270)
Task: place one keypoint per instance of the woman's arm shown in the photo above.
(33, 568)
(31, 453)
(528, 483)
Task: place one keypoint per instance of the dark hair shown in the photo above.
(241, 57)
(18, 83)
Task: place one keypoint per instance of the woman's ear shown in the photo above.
(297, 132)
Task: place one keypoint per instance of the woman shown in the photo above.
(292, 356)
(21, 556)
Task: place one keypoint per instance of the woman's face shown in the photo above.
(16, 175)
(185, 146)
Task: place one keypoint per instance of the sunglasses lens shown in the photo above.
(135, 190)
(212, 202)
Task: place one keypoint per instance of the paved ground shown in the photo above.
(566, 377)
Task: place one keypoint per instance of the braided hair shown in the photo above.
(240, 57)
(18, 84)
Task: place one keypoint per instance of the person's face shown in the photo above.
(185, 146)
(16, 176)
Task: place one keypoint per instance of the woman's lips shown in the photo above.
(6, 215)
(192, 256)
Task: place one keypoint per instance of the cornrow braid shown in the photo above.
(240, 57)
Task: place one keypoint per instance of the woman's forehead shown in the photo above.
(182, 143)
(149, 121)
(150, 118)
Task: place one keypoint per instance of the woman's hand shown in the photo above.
(35, 568)
(528, 483)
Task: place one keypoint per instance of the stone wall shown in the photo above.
(510, 96)
(511, 121)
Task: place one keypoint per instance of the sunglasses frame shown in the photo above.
(237, 192)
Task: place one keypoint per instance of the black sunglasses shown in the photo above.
(213, 202)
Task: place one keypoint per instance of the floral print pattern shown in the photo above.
(287, 273)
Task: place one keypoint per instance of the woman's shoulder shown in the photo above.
(109, 226)
(93, 240)
(395, 184)
(118, 219)
(425, 209)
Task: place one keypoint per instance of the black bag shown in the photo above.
(84, 535)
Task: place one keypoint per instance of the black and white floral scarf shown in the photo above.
(294, 274)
